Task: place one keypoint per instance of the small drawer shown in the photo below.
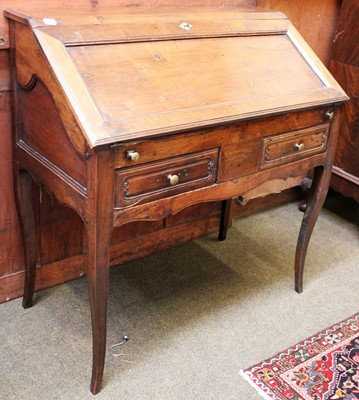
(293, 146)
(152, 181)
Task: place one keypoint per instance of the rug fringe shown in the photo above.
(254, 386)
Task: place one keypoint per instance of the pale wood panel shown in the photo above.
(161, 87)
(148, 78)
(121, 27)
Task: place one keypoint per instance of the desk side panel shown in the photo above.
(42, 130)
(31, 65)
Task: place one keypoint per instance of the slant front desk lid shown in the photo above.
(129, 73)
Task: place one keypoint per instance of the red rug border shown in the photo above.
(246, 374)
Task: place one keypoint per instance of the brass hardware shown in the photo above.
(132, 155)
(329, 115)
(173, 179)
(299, 146)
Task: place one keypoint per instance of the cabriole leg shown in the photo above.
(316, 198)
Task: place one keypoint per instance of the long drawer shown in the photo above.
(171, 176)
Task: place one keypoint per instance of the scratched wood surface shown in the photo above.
(61, 258)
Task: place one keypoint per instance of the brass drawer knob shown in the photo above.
(132, 155)
(299, 146)
(173, 179)
(329, 115)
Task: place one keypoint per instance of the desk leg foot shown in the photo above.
(23, 184)
(98, 290)
(225, 218)
(316, 198)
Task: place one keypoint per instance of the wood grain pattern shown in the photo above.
(347, 153)
(121, 24)
(91, 5)
(315, 20)
(192, 99)
(345, 67)
(345, 184)
(28, 53)
(37, 108)
(346, 49)
(60, 233)
(11, 258)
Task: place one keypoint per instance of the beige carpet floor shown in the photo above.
(196, 314)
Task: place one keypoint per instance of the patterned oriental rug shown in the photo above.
(323, 367)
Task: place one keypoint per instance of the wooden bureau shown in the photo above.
(130, 114)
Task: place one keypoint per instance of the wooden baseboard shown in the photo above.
(65, 270)
(345, 184)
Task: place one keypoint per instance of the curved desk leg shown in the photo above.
(316, 198)
(23, 184)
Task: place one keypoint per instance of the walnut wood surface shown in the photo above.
(87, 184)
(347, 153)
(346, 49)
(38, 107)
(345, 67)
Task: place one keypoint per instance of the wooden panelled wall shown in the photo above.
(61, 229)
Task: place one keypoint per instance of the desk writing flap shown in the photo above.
(129, 86)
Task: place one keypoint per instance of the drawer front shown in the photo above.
(148, 182)
(293, 146)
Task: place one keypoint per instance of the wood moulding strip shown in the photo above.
(346, 175)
